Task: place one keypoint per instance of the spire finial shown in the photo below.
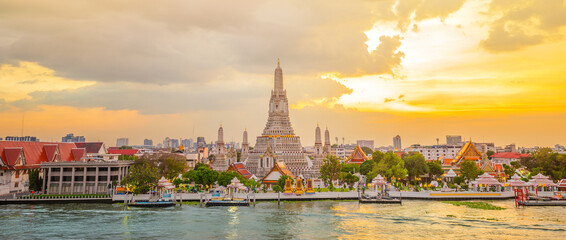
(278, 62)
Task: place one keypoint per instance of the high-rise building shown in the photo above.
(397, 143)
(454, 140)
(72, 138)
(187, 143)
(278, 142)
(148, 142)
(201, 142)
(122, 142)
(365, 143)
(22, 139)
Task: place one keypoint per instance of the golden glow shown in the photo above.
(27, 77)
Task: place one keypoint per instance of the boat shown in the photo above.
(149, 204)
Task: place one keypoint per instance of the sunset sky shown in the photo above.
(489, 70)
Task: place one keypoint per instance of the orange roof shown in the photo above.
(468, 152)
(35, 153)
(241, 169)
(358, 156)
(281, 168)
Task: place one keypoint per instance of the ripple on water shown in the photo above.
(298, 220)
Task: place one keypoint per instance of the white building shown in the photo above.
(122, 142)
(436, 152)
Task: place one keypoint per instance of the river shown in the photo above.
(291, 220)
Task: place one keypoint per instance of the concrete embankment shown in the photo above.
(439, 196)
(55, 201)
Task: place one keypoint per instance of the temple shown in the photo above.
(240, 168)
(278, 142)
(278, 170)
(220, 161)
(358, 156)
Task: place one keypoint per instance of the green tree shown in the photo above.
(489, 153)
(435, 169)
(330, 169)
(377, 156)
(171, 165)
(128, 157)
(143, 176)
(282, 179)
(35, 182)
(367, 150)
(350, 167)
(416, 165)
(225, 178)
(391, 166)
(126, 147)
(469, 170)
(349, 178)
(366, 167)
(277, 188)
(199, 164)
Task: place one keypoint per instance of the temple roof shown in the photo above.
(34, 153)
(278, 170)
(358, 156)
(468, 152)
(240, 168)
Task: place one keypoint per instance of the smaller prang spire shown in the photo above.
(278, 79)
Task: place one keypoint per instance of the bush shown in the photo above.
(277, 188)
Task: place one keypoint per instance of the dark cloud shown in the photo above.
(524, 24)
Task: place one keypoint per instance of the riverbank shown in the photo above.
(197, 197)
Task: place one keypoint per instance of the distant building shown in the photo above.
(397, 143)
(201, 142)
(436, 152)
(510, 148)
(365, 143)
(454, 140)
(22, 139)
(72, 138)
(122, 142)
(148, 142)
(507, 157)
(187, 143)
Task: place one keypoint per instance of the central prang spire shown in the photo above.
(278, 79)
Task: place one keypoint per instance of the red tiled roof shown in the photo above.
(509, 155)
(241, 169)
(123, 151)
(11, 155)
(78, 153)
(34, 152)
(91, 147)
(50, 151)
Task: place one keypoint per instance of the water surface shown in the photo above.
(291, 220)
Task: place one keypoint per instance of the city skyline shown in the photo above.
(479, 69)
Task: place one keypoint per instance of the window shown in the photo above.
(67, 178)
(79, 178)
(55, 169)
(102, 178)
(90, 178)
(67, 169)
(91, 169)
(17, 174)
(54, 178)
(16, 184)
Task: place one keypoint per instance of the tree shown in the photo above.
(416, 165)
(35, 182)
(435, 169)
(367, 150)
(377, 156)
(225, 178)
(351, 168)
(127, 157)
(469, 170)
(126, 147)
(171, 165)
(391, 166)
(366, 167)
(330, 169)
(490, 153)
(282, 179)
(349, 178)
(199, 164)
(143, 176)
(545, 161)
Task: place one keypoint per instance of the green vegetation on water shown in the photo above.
(478, 205)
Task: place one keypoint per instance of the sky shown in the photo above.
(489, 70)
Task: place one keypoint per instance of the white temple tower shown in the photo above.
(278, 141)
(245, 147)
(220, 163)
(326, 142)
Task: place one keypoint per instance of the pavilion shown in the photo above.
(540, 180)
(358, 156)
(278, 170)
(486, 180)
